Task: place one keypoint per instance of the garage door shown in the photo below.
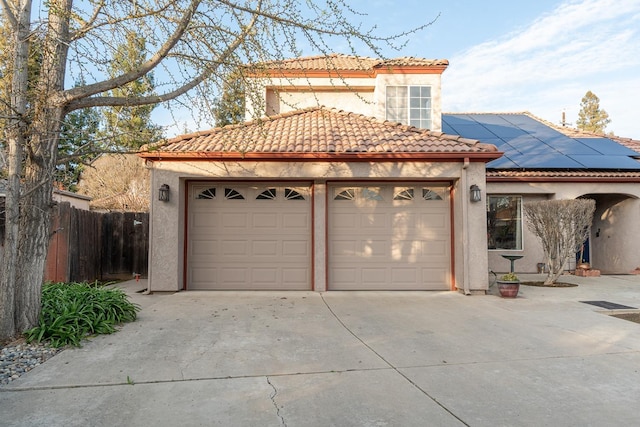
(249, 236)
(389, 237)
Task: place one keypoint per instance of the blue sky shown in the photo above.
(540, 56)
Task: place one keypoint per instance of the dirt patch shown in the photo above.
(632, 317)
(555, 285)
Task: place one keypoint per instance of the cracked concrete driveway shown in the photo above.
(348, 359)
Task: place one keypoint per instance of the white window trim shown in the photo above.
(519, 196)
(408, 102)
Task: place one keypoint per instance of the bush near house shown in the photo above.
(73, 311)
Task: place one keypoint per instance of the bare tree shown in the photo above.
(118, 182)
(562, 227)
(190, 43)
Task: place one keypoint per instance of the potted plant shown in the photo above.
(509, 285)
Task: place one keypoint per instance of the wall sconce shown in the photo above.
(475, 195)
(163, 193)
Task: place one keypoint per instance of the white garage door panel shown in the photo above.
(248, 236)
(387, 237)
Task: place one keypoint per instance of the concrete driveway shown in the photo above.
(349, 359)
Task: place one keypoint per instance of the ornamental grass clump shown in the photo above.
(73, 311)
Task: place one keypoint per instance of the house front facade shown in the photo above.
(324, 198)
(358, 194)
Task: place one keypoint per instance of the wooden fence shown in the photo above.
(88, 246)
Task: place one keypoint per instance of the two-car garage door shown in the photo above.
(259, 236)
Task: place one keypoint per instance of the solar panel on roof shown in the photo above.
(489, 119)
(453, 119)
(448, 129)
(473, 131)
(607, 146)
(545, 161)
(529, 143)
(607, 162)
(503, 162)
(567, 146)
(517, 119)
(505, 130)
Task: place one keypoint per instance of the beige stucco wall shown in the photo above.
(77, 201)
(348, 94)
(352, 101)
(615, 220)
(275, 95)
(615, 248)
(166, 260)
(469, 228)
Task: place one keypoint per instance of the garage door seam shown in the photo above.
(389, 363)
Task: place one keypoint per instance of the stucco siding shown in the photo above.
(349, 94)
(282, 95)
(166, 233)
(354, 100)
(615, 248)
(167, 224)
(616, 218)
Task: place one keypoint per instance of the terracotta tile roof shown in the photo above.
(318, 130)
(349, 63)
(563, 174)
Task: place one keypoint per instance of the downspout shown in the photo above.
(465, 227)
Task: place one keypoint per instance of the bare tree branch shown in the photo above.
(206, 73)
(562, 227)
(89, 23)
(104, 86)
(11, 16)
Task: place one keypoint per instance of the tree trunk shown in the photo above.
(16, 136)
(28, 210)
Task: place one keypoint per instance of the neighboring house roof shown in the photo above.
(327, 64)
(71, 194)
(320, 133)
(531, 144)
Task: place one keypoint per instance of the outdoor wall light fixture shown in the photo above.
(163, 193)
(475, 194)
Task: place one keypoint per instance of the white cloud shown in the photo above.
(550, 64)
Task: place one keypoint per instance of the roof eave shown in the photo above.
(555, 179)
(324, 157)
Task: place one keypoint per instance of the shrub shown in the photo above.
(509, 277)
(72, 311)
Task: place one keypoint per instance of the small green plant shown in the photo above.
(130, 380)
(72, 311)
(509, 277)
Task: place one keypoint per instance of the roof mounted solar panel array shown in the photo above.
(530, 144)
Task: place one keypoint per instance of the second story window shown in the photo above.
(410, 105)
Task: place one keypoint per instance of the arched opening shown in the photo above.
(612, 247)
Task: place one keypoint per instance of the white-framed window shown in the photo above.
(504, 222)
(410, 105)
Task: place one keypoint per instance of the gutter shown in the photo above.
(465, 227)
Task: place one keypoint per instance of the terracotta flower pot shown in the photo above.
(508, 289)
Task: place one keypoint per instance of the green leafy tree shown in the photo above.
(77, 147)
(190, 41)
(229, 108)
(130, 127)
(591, 117)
